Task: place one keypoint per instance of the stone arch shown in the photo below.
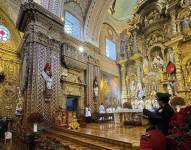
(94, 20)
(156, 45)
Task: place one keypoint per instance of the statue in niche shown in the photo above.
(157, 66)
(95, 88)
(156, 15)
(145, 66)
(185, 3)
(157, 62)
(47, 76)
(123, 46)
(133, 87)
(186, 23)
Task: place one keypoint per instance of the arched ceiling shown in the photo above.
(123, 9)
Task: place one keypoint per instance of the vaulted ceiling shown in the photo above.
(124, 8)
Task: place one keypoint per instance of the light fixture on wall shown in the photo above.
(81, 49)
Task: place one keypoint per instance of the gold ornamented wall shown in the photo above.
(9, 66)
(159, 39)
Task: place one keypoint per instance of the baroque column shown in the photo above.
(39, 49)
(122, 64)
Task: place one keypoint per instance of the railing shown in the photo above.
(105, 117)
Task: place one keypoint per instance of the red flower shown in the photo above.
(35, 118)
(180, 124)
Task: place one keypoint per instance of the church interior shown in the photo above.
(79, 74)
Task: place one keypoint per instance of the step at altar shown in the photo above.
(79, 141)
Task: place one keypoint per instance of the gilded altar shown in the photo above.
(9, 68)
(156, 54)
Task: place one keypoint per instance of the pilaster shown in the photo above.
(124, 97)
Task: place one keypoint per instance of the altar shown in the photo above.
(127, 115)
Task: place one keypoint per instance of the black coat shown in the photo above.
(166, 113)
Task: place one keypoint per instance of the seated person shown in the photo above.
(153, 139)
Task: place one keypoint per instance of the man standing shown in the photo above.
(101, 111)
(88, 114)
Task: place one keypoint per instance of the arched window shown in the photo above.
(53, 6)
(110, 49)
(72, 25)
(4, 33)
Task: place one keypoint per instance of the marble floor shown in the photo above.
(114, 131)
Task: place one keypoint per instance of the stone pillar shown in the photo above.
(39, 49)
(124, 97)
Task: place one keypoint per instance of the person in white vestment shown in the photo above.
(88, 114)
(101, 110)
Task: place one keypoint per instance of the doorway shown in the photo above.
(72, 103)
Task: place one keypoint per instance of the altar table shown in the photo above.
(122, 115)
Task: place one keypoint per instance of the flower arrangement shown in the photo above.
(180, 130)
(49, 143)
(35, 118)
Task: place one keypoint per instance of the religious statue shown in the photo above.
(47, 76)
(145, 66)
(157, 62)
(185, 24)
(95, 88)
(74, 123)
(19, 109)
(185, 3)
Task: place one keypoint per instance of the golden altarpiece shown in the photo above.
(159, 35)
(9, 66)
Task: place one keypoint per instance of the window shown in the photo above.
(72, 25)
(110, 49)
(4, 33)
(53, 6)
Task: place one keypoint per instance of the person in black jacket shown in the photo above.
(165, 111)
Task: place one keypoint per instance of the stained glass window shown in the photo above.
(4, 33)
(110, 49)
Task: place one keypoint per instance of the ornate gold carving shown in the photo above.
(10, 64)
(72, 90)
